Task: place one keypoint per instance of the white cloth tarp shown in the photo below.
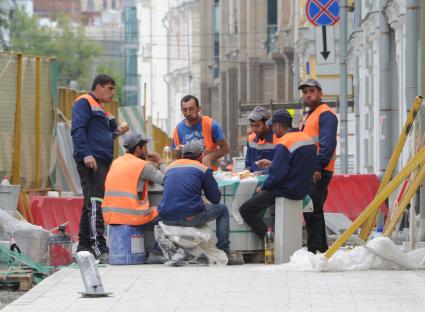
(243, 193)
(67, 178)
(32, 240)
(133, 115)
(378, 254)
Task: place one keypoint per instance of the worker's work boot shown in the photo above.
(156, 257)
(234, 258)
(104, 258)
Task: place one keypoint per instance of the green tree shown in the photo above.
(4, 24)
(114, 70)
(68, 44)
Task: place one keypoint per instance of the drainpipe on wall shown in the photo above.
(422, 126)
(411, 87)
(296, 52)
(166, 77)
(357, 27)
(385, 105)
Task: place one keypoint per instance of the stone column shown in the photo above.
(232, 110)
(253, 79)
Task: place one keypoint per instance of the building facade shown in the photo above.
(384, 60)
(186, 54)
(153, 62)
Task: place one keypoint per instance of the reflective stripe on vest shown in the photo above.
(121, 204)
(187, 163)
(94, 105)
(262, 144)
(295, 140)
(311, 127)
(206, 133)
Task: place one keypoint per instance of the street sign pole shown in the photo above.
(325, 45)
(343, 87)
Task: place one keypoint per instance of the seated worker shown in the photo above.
(182, 204)
(127, 184)
(197, 127)
(260, 142)
(290, 173)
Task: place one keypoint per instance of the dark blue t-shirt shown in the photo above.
(188, 134)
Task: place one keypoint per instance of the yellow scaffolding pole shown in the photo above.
(417, 160)
(419, 178)
(416, 105)
(37, 122)
(17, 137)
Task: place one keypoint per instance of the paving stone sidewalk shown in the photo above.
(228, 288)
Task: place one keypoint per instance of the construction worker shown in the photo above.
(182, 203)
(93, 133)
(260, 142)
(201, 128)
(127, 184)
(321, 124)
(290, 172)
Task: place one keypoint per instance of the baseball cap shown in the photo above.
(259, 113)
(280, 115)
(131, 139)
(192, 149)
(310, 83)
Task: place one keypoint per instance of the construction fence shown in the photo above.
(30, 102)
(27, 120)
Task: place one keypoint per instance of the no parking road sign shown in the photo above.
(322, 12)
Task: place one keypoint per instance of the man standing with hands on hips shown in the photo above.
(93, 133)
(321, 124)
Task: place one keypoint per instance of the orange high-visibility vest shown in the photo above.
(261, 144)
(187, 163)
(208, 137)
(294, 140)
(94, 105)
(311, 127)
(121, 204)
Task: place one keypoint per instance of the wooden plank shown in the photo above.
(37, 160)
(16, 171)
(25, 280)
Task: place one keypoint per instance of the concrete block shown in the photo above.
(288, 228)
(337, 222)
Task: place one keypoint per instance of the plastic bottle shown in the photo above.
(167, 154)
(5, 181)
(269, 247)
(378, 232)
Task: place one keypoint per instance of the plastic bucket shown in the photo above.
(9, 196)
(60, 250)
(126, 244)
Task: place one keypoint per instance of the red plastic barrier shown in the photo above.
(49, 212)
(350, 194)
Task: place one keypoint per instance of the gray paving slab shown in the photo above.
(228, 288)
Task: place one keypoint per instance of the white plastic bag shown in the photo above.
(189, 245)
(31, 239)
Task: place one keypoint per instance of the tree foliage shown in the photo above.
(4, 24)
(62, 40)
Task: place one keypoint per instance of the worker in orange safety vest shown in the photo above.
(321, 124)
(127, 185)
(200, 128)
